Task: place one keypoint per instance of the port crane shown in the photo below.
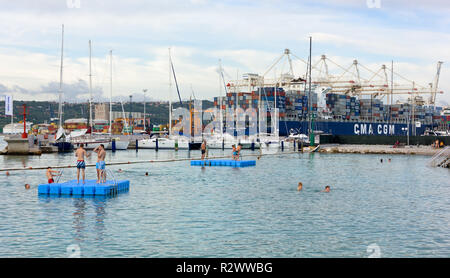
(350, 80)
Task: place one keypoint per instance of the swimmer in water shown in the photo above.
(27, 186)
(300, 186)
(389, 160)
(146, 173)
(120, 170)
(50, 173)
(381, 160)
(7, 173)
(234, 155)
(327, 189)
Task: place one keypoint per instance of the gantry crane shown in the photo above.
(377, 85)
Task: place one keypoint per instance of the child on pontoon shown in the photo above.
(50, 173)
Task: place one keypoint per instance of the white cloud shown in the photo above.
(247, 37)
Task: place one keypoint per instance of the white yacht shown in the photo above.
(164, 143)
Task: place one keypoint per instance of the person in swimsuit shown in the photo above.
(300, 186)
(50, 174)
(234, 152)
(238, 151)
(81, 153)
(100, 165)
(203, 148)
(327, 189)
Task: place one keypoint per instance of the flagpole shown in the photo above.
(12, 116)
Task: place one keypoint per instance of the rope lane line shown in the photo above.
(138, 162)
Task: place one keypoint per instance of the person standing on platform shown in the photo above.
(100, 165)
(203, 149)
(81, 153)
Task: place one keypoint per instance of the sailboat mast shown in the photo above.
(221, 99)
(145, 90)
(110, 91)
(275, 114)
(90, 86)
(311, 116)
(170, 93)
(60, 79)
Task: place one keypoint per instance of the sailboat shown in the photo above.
(171, 141)
(61, 141)
(90, 142)
(221, 140)
(120, 143)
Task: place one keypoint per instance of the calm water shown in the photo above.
(184, 211)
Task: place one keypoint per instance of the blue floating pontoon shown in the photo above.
(90, 188)
(224, 162)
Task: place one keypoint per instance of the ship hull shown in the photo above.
(351, 128)
(64, 146)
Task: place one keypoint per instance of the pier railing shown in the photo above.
(440, 159)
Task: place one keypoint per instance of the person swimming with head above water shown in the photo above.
(300, 186)
(327, 189)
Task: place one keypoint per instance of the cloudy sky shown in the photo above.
(246, 35)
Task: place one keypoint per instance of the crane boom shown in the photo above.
(436, 83)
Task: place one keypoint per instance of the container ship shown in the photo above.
(341, 114)
(337, 106)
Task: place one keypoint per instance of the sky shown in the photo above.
(247, 36)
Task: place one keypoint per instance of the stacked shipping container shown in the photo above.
(293, 105)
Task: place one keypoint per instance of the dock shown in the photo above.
(90, 188)
(379, 149)
(224, 162)
(20, 146)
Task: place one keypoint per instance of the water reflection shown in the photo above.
(13, 160)
(78, 218)
(100, 214)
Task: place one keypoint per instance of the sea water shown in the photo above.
(391, 209)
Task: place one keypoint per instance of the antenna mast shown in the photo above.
(90, 87)
(110, 91)
(60, 79)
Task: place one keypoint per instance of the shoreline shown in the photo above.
(379, 149)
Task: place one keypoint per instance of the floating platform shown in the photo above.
(224, 162)
(90, 188)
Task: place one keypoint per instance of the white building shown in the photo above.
(16, 128)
